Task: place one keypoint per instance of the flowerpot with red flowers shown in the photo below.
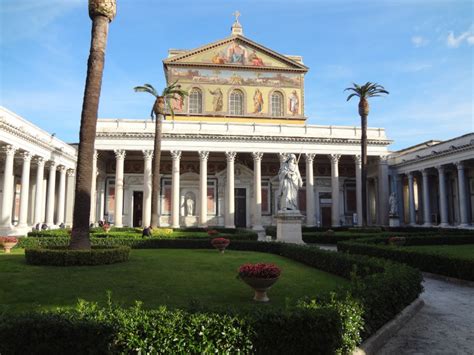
(220, 244)
(8, 243)
(260, 277)
(212, 232)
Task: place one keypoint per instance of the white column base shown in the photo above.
(464, 225)
(427, 224)
(443, 225)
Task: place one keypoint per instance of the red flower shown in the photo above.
(262, 271)
(212, 232)
(8, 240)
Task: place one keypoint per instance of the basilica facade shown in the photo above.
(221, 153)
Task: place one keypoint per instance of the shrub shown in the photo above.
(50, 333)
(436, 263)
(61, 256)
(162, 232)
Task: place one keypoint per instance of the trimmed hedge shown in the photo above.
(61, 256)
(430, 262)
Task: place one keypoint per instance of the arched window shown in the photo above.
(277, 104)
(236, 103)
(195, 101)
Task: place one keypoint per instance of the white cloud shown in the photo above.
(454, 42)
(419, 41)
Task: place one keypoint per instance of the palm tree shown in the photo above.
(363, 93)
(158, 112)
(101, 12)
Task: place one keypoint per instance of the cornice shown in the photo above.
(238, 138)
(22, 134)
(434, 155)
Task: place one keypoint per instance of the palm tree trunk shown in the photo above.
(90, 107)
(364, 169)
(155, 189)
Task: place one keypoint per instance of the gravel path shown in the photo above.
(445, 325)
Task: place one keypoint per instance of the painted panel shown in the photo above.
(236, 53)
(230, 77)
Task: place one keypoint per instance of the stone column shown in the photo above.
(147, 180)
(203, 157)
(62, 195)
(51, 194)
(257, 185)
(411, 199)
(310, 219)
(399, 189)
(230, 201)
(462, 193)
(7, 200)
(25, 190)
(101, 189)
(383, 191)
(176, 156)
(119, 167)
(443, 198)
(335, 189)
(426, 199)
(39, 202)
(70, 185)
(358, 174)
(93, 212)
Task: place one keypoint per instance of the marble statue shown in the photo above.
(189, 205)
(393, 203)
(290, 182)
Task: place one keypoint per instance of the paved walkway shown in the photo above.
(445, 325)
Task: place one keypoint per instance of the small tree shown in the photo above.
(363, 93)
(158, 113)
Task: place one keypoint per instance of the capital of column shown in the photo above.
(410, 175)
(424, 172)
(119, 154)
(440, 169)
(383, 159)
(147, 154)
(10, 150)
(399, 177)
(203, 155)
(310, 157)
(357, 159)
(62, 169)
(230, 156)
(26, 156)
(71, 172)
(52, 164)
(176, 154)
(40, 161)
(334, 158)
(257, 156)
(459, 165)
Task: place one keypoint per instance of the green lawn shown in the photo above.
(156, 277)
(463, 251)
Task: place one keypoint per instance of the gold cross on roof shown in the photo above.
(236, 14)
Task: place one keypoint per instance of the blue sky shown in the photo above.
(421, 51)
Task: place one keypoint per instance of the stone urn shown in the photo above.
(220, 244)
(8, 243)
(260, 286)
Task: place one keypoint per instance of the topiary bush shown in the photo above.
(61, 256)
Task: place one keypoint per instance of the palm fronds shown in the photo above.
(365, 91)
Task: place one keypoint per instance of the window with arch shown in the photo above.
(236, 103)
(195, 101)
(276, 103)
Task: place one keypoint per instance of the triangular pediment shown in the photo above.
(235, 51)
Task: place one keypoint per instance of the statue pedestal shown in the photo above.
(289, 227)
(394, 221)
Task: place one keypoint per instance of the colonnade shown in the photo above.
(426, 174)
(46, 202)
(312, 204)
